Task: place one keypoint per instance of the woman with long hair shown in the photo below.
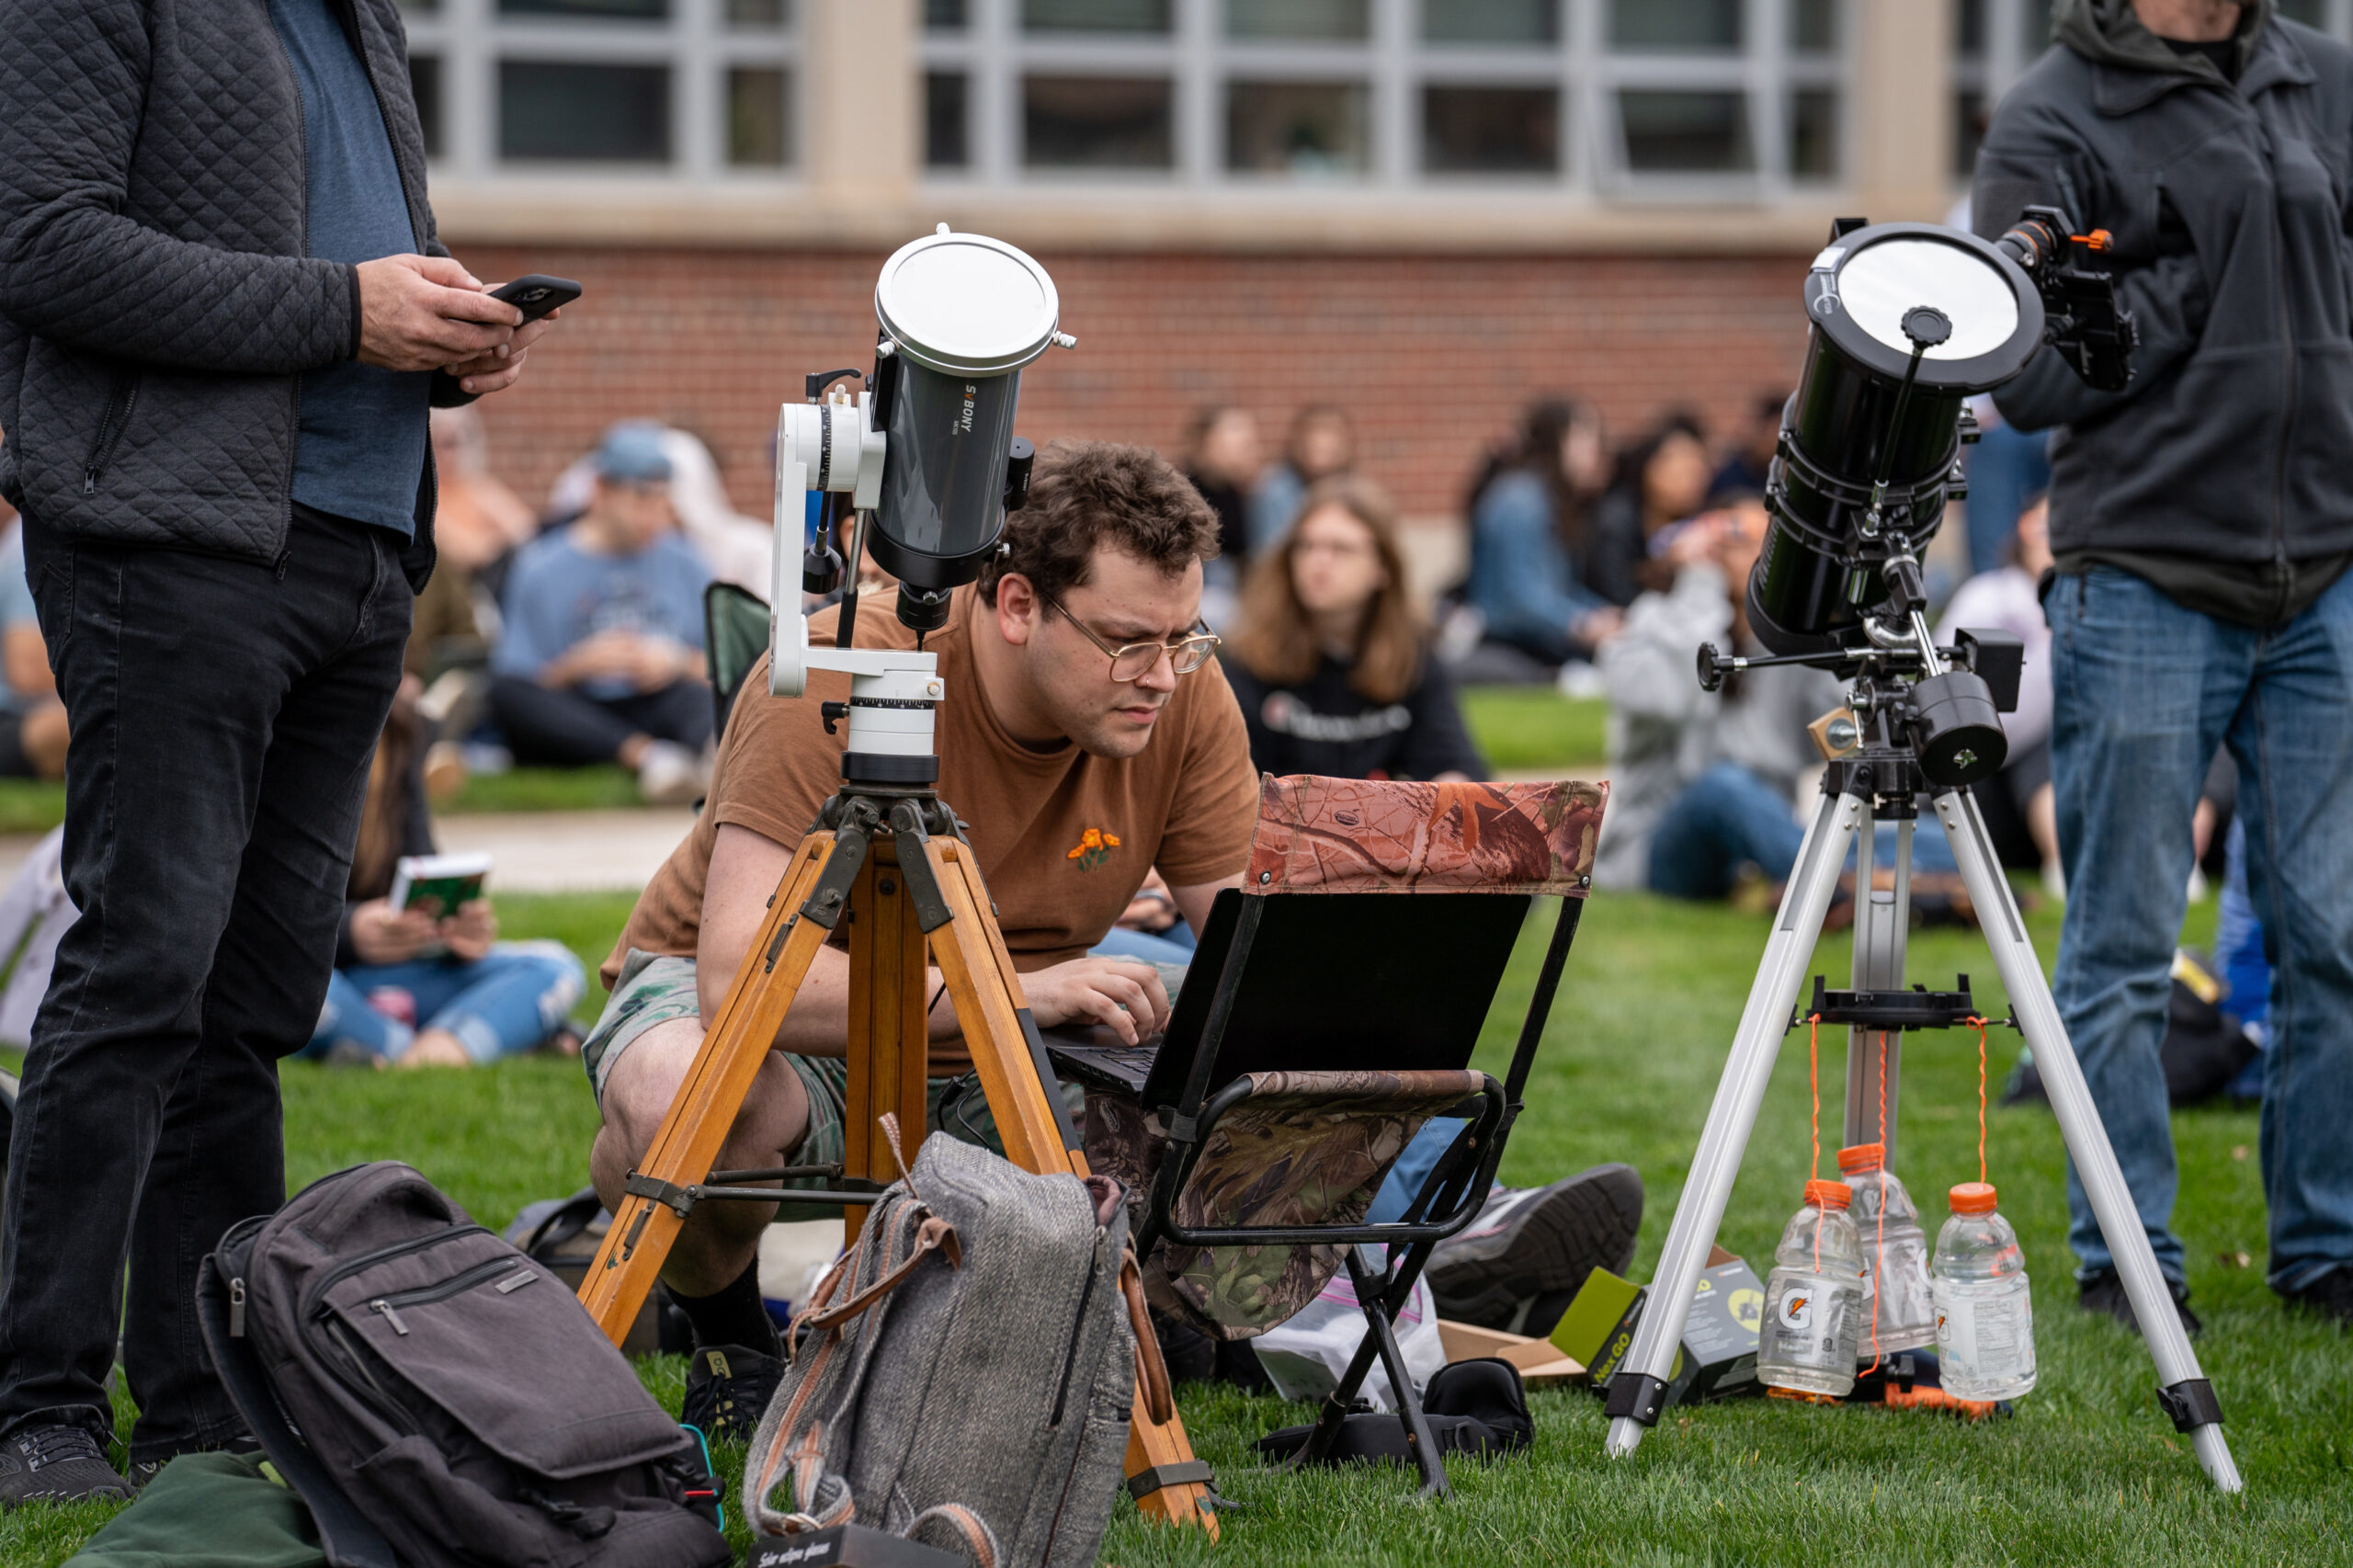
(1530, 538)
(1662, 480)
(1330, 659)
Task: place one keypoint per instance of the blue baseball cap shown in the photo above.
(633, 453)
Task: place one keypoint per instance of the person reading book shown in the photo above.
(1088, 739)
(416, 984)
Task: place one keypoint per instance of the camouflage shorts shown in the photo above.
(653, 989)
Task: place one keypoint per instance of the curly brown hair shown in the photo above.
(1088, 495)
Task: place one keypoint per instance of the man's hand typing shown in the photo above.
(1123, 994)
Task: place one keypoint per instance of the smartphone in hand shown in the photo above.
(536, 294)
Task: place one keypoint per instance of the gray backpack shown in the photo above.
(438, 1398)
(968, 1369)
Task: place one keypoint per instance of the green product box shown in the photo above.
(1718, 1355)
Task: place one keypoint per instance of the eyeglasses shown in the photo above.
(1134, 661)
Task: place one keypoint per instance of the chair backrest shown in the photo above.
(1291, 977)
(735, 635)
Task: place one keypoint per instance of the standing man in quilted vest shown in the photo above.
(223, 314)
(2201, 531)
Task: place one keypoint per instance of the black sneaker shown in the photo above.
(57, 1464)
(2103, 1291)
(1520, 1264)
(728, 1390)
(2330, 1296)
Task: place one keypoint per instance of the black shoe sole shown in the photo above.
(1552, 1244)
(2118, 1306)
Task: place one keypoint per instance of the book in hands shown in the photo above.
(438, 884)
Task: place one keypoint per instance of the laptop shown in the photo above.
(1373, 981)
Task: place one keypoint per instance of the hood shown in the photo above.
(2108, 32)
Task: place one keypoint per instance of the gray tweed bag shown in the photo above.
(969, 1370)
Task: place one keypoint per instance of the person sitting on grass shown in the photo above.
(1088, 739)
(413, 988)
(32, 721)
(1330, 659)
(1704, 784)
(601, 659)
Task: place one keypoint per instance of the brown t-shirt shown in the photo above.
(1064, 838)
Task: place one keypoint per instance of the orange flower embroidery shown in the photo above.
(1093, 849)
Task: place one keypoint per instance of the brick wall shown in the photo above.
(1432, 355)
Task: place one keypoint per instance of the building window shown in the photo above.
(704, 90)
(1699, 27)
(1491, 21)
(565, 111)
(1095, 16)
(759, 118)
(1330, 20)
(1703, 100)
(1993, 42)
(1297, 128)
(599, 10)
(946, 126)
(1491, 130)
(425, 86)
(1097, 122)
(1683, 132)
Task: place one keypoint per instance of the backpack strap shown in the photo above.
(1159, 1402)
(344, 1535)
(979, 1539)
(935, 1234)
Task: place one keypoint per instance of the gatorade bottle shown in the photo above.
(1984, 1317)
(1814, 1298)
(1888, 1226)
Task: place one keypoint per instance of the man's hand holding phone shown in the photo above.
(425, 313)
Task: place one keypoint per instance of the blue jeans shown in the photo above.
(2146, 690)
(506, 1001)
(1728, 817)
(2006, 466)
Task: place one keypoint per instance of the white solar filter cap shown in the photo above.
(966, 304)
(1881, 281)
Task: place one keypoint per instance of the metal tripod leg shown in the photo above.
(1637, 1391)
(2184, 1391)
(1883, 924)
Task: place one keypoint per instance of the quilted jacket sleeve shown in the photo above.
(74, 269)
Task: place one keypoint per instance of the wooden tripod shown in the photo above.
(893, 862)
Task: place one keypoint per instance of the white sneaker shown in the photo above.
(670, 775)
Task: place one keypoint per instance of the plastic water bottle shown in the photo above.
(1985, 1316)
(1814, 1298)
(1895, 1254)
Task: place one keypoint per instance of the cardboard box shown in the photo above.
(1539, 1361)
(1718, 1355)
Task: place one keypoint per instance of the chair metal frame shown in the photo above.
(1456, 1190)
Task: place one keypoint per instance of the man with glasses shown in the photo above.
(1087, 740)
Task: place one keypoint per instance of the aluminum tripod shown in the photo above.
(1849, 793)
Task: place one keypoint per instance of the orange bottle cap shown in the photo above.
(1862, 1157)
(1830, 1194)
(1973, 1198)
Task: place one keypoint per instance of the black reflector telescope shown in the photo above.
(1870, 442)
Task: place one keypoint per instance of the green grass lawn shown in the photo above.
(1524, 727)
(29, 805)
(2086, 1472)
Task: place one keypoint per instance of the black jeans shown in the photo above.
(223, 715)
(564, 729)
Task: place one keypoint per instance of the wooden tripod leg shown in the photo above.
(997, 1028)
(887, 1012)
(697, 1124)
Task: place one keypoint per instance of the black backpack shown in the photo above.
(438, 1399)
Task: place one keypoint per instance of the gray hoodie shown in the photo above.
(1664, 731)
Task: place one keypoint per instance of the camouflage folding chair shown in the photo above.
(1331, 1011)
(735, 635)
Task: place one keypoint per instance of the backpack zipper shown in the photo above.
(364, 1385)
(236, 1309)
(382, 1255)
(1078, 1328)
(111, 426)
(456, 1285)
